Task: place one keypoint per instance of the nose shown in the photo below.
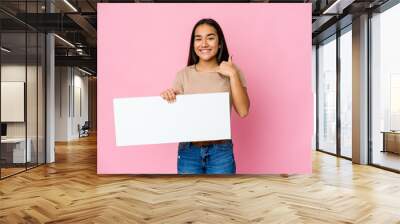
(204, 43)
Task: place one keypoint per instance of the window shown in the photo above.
(327, 95)
(346, 74)
(385, 88)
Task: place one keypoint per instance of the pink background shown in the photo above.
(142, 46)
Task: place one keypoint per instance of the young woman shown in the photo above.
(209, 69)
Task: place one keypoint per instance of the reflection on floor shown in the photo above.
(386, 159)
(10, 171)
(13, 169)
(347, 152)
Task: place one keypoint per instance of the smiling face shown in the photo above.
(206, 42)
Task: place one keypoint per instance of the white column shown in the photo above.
(360, 90)
(50, 92)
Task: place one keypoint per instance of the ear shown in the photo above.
(230, 59)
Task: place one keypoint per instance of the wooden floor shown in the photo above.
(5, 172)
(70, 191)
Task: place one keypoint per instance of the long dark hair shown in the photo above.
(222, 54)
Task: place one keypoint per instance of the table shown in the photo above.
(16, 147)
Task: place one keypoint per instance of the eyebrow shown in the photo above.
(210, 34)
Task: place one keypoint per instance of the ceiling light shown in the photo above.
(70, 5)
(337, 7)
(5, 50)
(64, 40)
(84, 71)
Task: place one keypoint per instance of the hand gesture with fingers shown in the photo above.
(227, 68)
(169, 95)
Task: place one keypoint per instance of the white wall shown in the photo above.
(34, 125)
(71, 93)
(12, 73)
(80, 84)
(15, 72)
(62, 81)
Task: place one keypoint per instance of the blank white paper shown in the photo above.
(152, 120)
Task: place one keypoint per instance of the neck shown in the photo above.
(207, 65)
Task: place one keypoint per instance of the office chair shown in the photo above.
(84, 130)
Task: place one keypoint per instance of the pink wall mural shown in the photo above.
(142, 46)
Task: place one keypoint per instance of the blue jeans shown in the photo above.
(211, 159)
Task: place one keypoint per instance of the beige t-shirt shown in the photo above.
(190, 81)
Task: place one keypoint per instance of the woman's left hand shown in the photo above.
(227, 68)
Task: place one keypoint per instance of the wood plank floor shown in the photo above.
(70, 191)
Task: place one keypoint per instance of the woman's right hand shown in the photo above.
(169, 95)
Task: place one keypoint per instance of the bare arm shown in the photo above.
(240, 98)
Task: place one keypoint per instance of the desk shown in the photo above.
(391, 141)
(16, 147)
